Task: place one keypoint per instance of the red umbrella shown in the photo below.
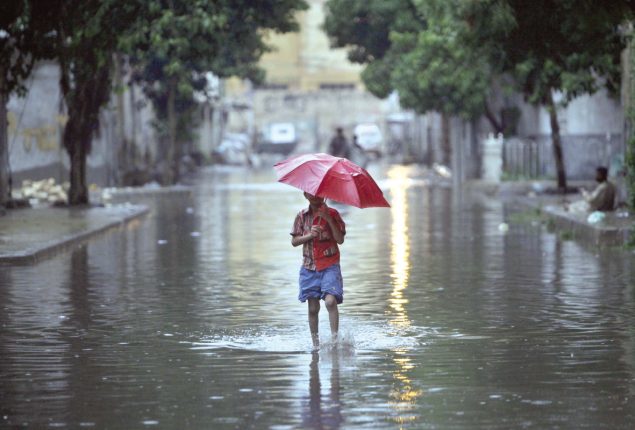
(331, 177)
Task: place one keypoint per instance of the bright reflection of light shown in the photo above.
(404, 394)
(400, 249)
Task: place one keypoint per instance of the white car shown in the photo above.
(369, 138)
(233, 149)
(279, 138)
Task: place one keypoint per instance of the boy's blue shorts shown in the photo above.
(316, 285)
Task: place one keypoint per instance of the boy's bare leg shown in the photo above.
(334, 316)
(314, 310)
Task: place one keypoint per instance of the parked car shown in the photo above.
(233, 149)
(369, 138)
(278, 138)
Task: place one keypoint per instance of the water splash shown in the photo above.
(359, 336)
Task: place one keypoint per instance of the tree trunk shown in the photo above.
(171, 168)
(557, 143)
(78, 193)
(494, 122)
(5, 192)
(84, 101)
(446, 145)
(75, 141)
(122, 156)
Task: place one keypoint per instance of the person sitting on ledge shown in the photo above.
(603, 197)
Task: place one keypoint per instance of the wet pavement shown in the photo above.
(31, 234)
(188, 318)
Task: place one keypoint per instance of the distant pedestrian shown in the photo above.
(339, 146)
(320, 229)
(356, 144)
(358, 154)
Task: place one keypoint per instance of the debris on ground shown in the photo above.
(44, 191)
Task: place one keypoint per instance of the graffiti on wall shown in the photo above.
(45, 138)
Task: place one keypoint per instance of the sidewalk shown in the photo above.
(30, 234)
(614, 230)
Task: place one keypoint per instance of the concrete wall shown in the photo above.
(36, 123)
(592, 134)
(210, 130)
(533, 157)
(35, 128)
(586, 115)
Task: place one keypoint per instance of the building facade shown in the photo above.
(308, 84)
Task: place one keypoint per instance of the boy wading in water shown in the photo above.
(320, 229)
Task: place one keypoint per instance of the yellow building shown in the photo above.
(305, 61)
(308, 84)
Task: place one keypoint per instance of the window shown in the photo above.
(337, 86)
(272, 86)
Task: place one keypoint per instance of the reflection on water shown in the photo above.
(400, 242)
(324, 410)
(189, 319)
(404, 394)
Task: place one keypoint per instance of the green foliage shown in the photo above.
(429, 75)
(418, 49)
(443, 55)
(174, 42)
(376, 76)
(531, 217)
(365, 26)
(15, 60)
(87, 32)
(186, 38)
(25, 37)
(568, 46)
(566, 235)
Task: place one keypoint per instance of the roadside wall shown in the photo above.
(592, 134)
(36, 123)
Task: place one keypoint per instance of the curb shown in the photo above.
(37, 253)
(601, 234)
(606, 233)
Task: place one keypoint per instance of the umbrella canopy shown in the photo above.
(331, 177)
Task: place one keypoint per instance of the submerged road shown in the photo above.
(189, 319)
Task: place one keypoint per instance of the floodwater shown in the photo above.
(188, 319)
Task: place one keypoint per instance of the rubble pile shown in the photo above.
(44, 191)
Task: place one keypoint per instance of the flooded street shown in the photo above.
(189, 319)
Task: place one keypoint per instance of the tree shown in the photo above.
(24, 38)
(547, 47)
(565, 47)
(415, 48)
(87, 35)
(173, 43)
